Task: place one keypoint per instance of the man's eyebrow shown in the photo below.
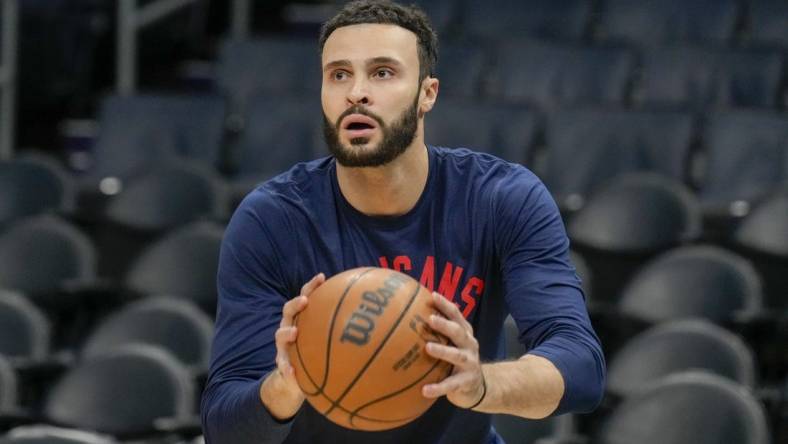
(374, 61)
(336, 64)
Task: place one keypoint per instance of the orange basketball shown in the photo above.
(359, 356)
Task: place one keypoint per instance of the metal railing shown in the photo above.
(10, 11)
(131, 19)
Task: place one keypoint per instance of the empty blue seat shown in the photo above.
(694, 78)
(745, 154)
(548, 75)
(551, 19)
(586, 147)
(467, 81)
(669, 21)
(274, 66)
(138, 132)
(508, 132)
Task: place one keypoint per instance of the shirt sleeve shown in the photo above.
(543, 291)
(252, 291)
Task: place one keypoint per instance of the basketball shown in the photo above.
(360, 356)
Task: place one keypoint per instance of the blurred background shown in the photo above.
(130, 130)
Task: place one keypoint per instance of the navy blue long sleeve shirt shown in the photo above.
(484, 233)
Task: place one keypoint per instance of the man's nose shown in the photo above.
(359, 93)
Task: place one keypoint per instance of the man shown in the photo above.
(481, 232)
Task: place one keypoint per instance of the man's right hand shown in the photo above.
(280, 391)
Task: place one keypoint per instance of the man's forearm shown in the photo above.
(530, 387)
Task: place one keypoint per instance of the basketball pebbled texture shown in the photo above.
(360, 356)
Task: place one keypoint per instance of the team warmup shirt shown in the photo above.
(484, 233)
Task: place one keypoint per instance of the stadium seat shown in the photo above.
(167, 197)
(586, 147)
(8, 386)
(697, 78)
(543, 19)
(33, 185)
(744, 157)
(695, 281)
(691, 407)
(41, 256)
(174, 325)
(274, 66)
(679, 346)
(709, 22)
(768, 23)
(183, 264)
(507, 131)
(137, 133)
(763, 237)
(629, 220)
(548, 75)
(44, 434)
(465, 83)
(277, 133)
(122, 393)
(24, 330)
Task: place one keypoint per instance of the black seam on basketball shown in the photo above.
(328, 353)
(366, 418)
(354, 413)
(377, 351)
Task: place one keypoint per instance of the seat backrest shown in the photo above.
(692, 407)
(688, 77)
(586, 147)
(768, 20)
(46, 434)
(8, 385)
(178, 326)
(696, 281)
(277, 133)
(746, 155)
(138, 132)
(679, 346)
(182, 264)
(463, 83)
(669, 21)
(545, 19)
(24, 329)
(273, 65)
(168, 196)
(637, 213)
(507, 131)
(766, 228)
(39, 254)
(122, 392)
(30, 186)
(549, 75)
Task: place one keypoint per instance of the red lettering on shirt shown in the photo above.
(449, 281)
(427, 278)
(474, 283)
(402, 264)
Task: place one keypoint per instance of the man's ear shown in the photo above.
(429, 94)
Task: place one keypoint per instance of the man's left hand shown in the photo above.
(465, 386)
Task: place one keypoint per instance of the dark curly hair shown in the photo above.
(411, 18)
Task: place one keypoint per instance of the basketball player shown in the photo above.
(483, 233)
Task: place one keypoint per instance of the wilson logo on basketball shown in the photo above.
(362, 321)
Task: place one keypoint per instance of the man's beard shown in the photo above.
(396, 139)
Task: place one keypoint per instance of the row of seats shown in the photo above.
(716, 22)
(543, 74)
(630, 214)
(573, 149)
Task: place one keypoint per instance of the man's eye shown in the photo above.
(340, 75)
(383, 73)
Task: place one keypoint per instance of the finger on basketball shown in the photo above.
(292, 308)
(452, 355)
(449, 309)
(449, 328)
(313, 283)
(444, 387)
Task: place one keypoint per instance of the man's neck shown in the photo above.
(389, 190)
